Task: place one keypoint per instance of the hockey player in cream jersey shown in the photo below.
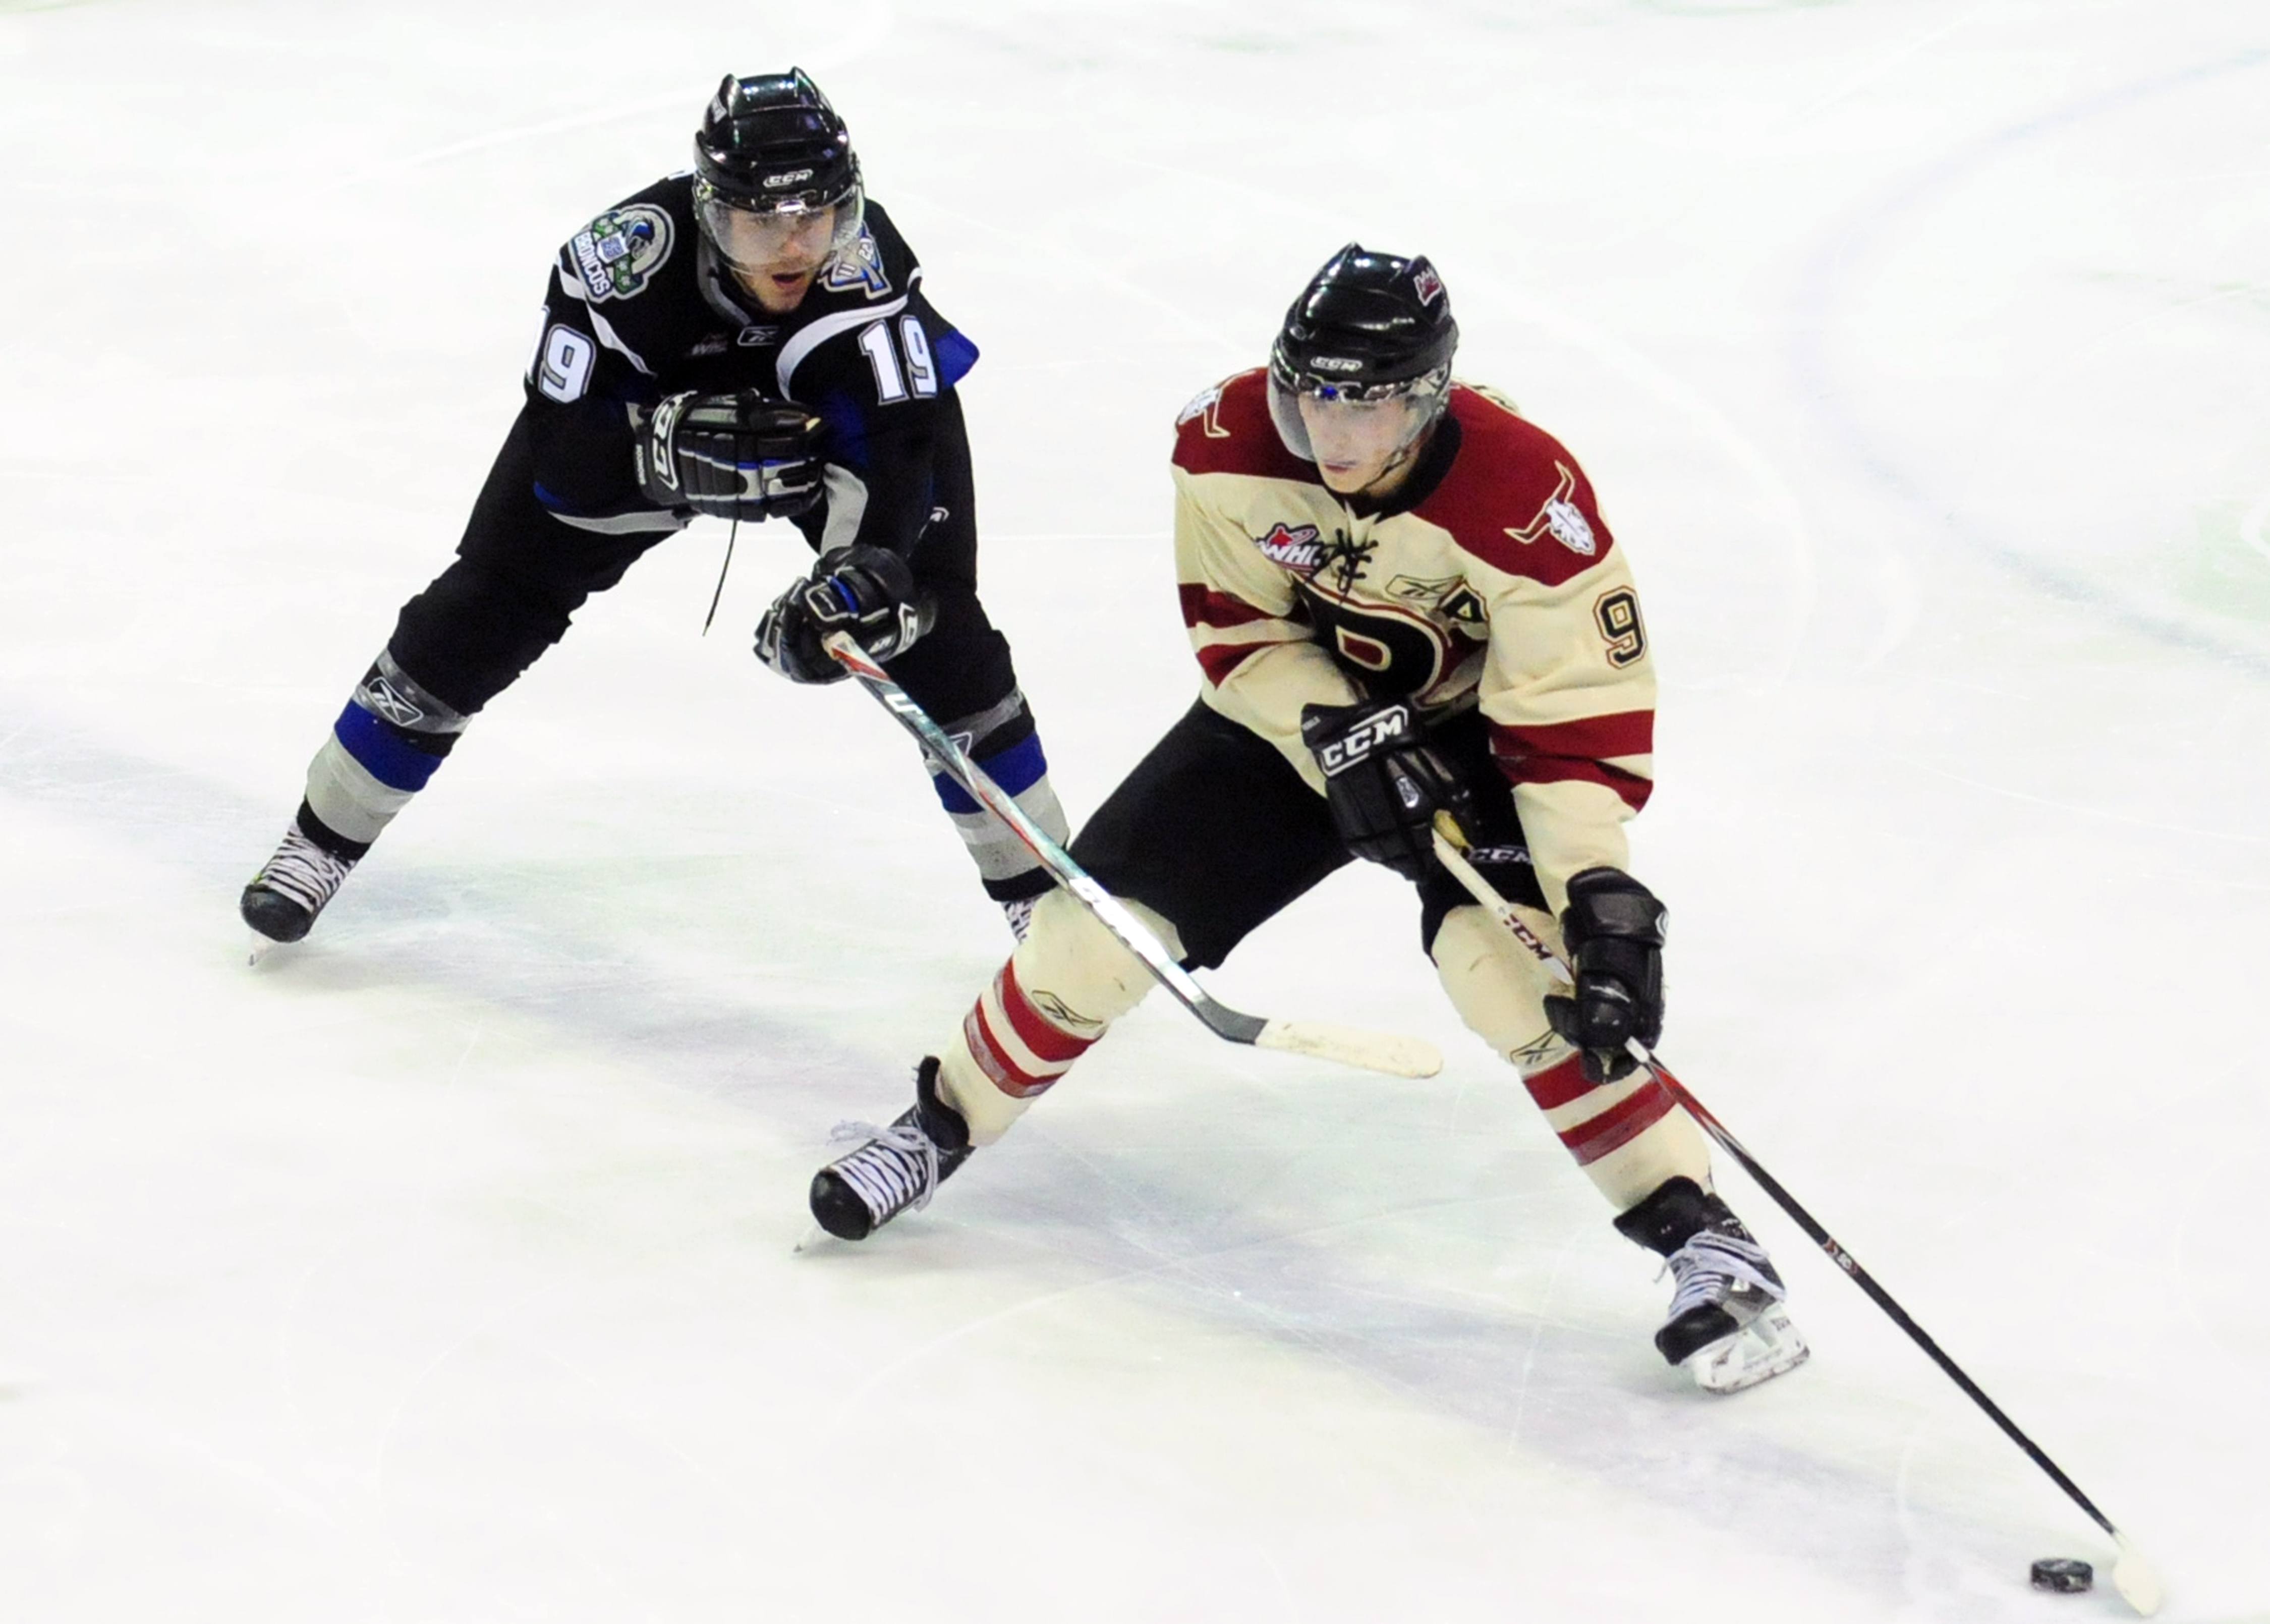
(1404, 602)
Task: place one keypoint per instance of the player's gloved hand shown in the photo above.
(1613, 928)
(867, 591)
(735, 457)
(1384, 782)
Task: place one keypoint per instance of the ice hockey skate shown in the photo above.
(1727, 1324)
(892, 1169)
(291, 889)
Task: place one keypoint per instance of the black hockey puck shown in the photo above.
(2066, 1574)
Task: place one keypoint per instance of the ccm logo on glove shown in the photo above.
(1383, 727)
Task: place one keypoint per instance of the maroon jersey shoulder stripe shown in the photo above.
(1498, 499)
(1228, 431)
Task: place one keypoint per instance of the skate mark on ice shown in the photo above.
(1834, 269)
(515, 953)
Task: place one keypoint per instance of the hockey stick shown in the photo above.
(1371, 1052)
(2132, 1576)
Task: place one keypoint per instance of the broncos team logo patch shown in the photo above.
(618, 254)
(1205, 410)
(1560, 518)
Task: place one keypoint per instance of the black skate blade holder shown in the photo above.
(2135, 1577)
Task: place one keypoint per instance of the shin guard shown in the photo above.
(1004, 742)
(1067, 982)
(1628, 1136)
(386, 744)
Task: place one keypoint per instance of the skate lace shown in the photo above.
(304, 872)
(1712, 1266)
(895, 1168)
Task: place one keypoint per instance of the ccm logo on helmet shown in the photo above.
(790, 179)
(1342, 753)
(1333, 363)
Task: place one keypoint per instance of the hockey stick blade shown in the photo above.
(1370, 1051)
(2136, 1579)
(1388, 1053)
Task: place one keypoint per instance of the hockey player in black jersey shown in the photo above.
(749, 339)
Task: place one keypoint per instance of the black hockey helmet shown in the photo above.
(1368, 327)
(770, 145)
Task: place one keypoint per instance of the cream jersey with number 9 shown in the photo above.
(1489, 580)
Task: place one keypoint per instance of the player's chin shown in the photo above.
(1347, 478)
(780, 292)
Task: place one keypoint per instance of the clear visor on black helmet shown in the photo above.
(808, 230)
(1393, 414)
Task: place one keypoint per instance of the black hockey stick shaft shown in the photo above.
(1866, 1282)
(1449, 846)
(2136, 1580)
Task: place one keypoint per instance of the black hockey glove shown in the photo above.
(1383, 781)
(867, 591)
(1614, 928)
(733, 456)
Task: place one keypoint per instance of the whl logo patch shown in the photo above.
(1294, 548)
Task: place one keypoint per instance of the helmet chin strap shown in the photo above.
(1409, 450)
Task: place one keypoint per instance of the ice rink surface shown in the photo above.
(442, 1269)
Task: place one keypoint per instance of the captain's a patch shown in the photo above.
(859, 267)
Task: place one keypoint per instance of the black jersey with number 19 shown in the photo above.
(641, 306)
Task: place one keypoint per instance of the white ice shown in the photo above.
(441, 1269)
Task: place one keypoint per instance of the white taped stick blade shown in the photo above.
(1389, 1053)
(2137, 1580)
